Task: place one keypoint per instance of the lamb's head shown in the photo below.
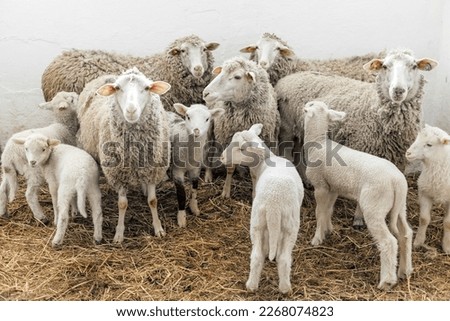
(234, 82)
(198, 118)
(318, 116)
(37, 148)
(246, 148)
(399, 74)
(62, 102)
(194, 54)
(132, 92)
(431, 142)
(268, 49)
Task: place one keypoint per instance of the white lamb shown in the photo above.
(432, 148)
(188, 139)
(375, 183)
(278, 196)
(69, 171)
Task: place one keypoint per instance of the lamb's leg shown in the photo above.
(73, 207)
(95, 201)
(358, 219)
(405, 246)
(53, 189)
(31, 195)
(425, 216)
(63, 218)
(256, 260)
(208, 175)
(253, 185)
(153, 203)
(3, 198)
(227, 186)
(193, 204)
(178, 179)
(446, 238)
(324, 209)
(123, 205)
(284, 261)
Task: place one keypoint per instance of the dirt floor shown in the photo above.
(209, 260)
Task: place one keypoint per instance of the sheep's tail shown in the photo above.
(273, 219)
(81, 198)
(398, 207)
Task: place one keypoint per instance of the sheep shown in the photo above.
(243, 89)
(69, 171)
(13, 157)
(275, 55)
(278, 196)
(129, 126)
(431, 148)
(186, 65)
(188, 139)
(375, 183)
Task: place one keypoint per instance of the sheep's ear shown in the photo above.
(426, 64)
(216, 112)
(159, 87)
(373, 65)
(445, 140)
(212, 46)
(180, 108)
(249, 49)
(174, 51)
(53, 142)
(334, 115)
(217, 70)
(19, 141)
(106, 90)
(45, 106)
(256, 129)
(251, 76)
(286, 52)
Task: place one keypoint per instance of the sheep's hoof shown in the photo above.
(386, 285)
(251, 287)
(118, 239)
(208, 177)
(181, 219)
(225, 194)
(44, 220)
(316, 241)
(5, 216)
(98, 242)
(285, 288)
(402, 275)
(194, 209)
(57, 246)
(160, 233)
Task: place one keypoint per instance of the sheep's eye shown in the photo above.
(43, 149)
(414, 67)
(237, 77)
(429, 145)
(188, 118)
(204, 49)
(207, 119)
(183, 50)
(26, 149)
(384, 67)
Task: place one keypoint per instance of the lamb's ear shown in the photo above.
(445, 140)
(426, 64)
(256, 129)
(19, 141)
(286, 52)
(158, 87)
(250, 76)
(53, 142)
(216, 112)
(107, 90)
(181, 109)
(174, 51)
(212, 46)
(217, 70)
(249, 49)
(45, 106)
(334, 115)
(374, 65)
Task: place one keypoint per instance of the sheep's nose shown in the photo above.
(132, 110)
(196, 132)
(263, 63)
(33, 162)
(222, 158)
(399, 91)
(408, 153)
(205, 94)
(198, 68)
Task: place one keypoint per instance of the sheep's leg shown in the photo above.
(3, 198)
(227, 186)
(286, 143)
(73, 207)
(256, 260)
(53, 189)
(95, 201)
(425, 216)
(31, 195)
(405, 246)
(153, 203)
(63, 218)
(284, 261)
(123, 205)
(387, 244)
(178, 179)
(358, 219)
(324, 209)
(193, 204)
(10, 179)
(446, 238)
(208, 175)
(253, 185)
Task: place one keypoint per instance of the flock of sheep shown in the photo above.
(349, 126)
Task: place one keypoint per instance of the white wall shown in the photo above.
(32, 33)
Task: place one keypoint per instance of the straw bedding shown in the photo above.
(209, 260)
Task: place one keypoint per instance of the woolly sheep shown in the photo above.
(129, 125)
(186, 65)
(375, 183)
(14, 160)
(188, 139)
(278, 196)
(242, 88)
(275, 55)
(431, 147)
(69, 171)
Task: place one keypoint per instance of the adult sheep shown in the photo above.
(186, 64)
(124, 126)
(278, 58)
(243, 89)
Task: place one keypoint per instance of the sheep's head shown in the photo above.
(268, 48)
(198, 118)
(246, 148)
(132, 91)
(318, 116)
(431, 142)
(399, 74)
(61, 102)
(234, 81)
(37, 148)
(193, 53)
